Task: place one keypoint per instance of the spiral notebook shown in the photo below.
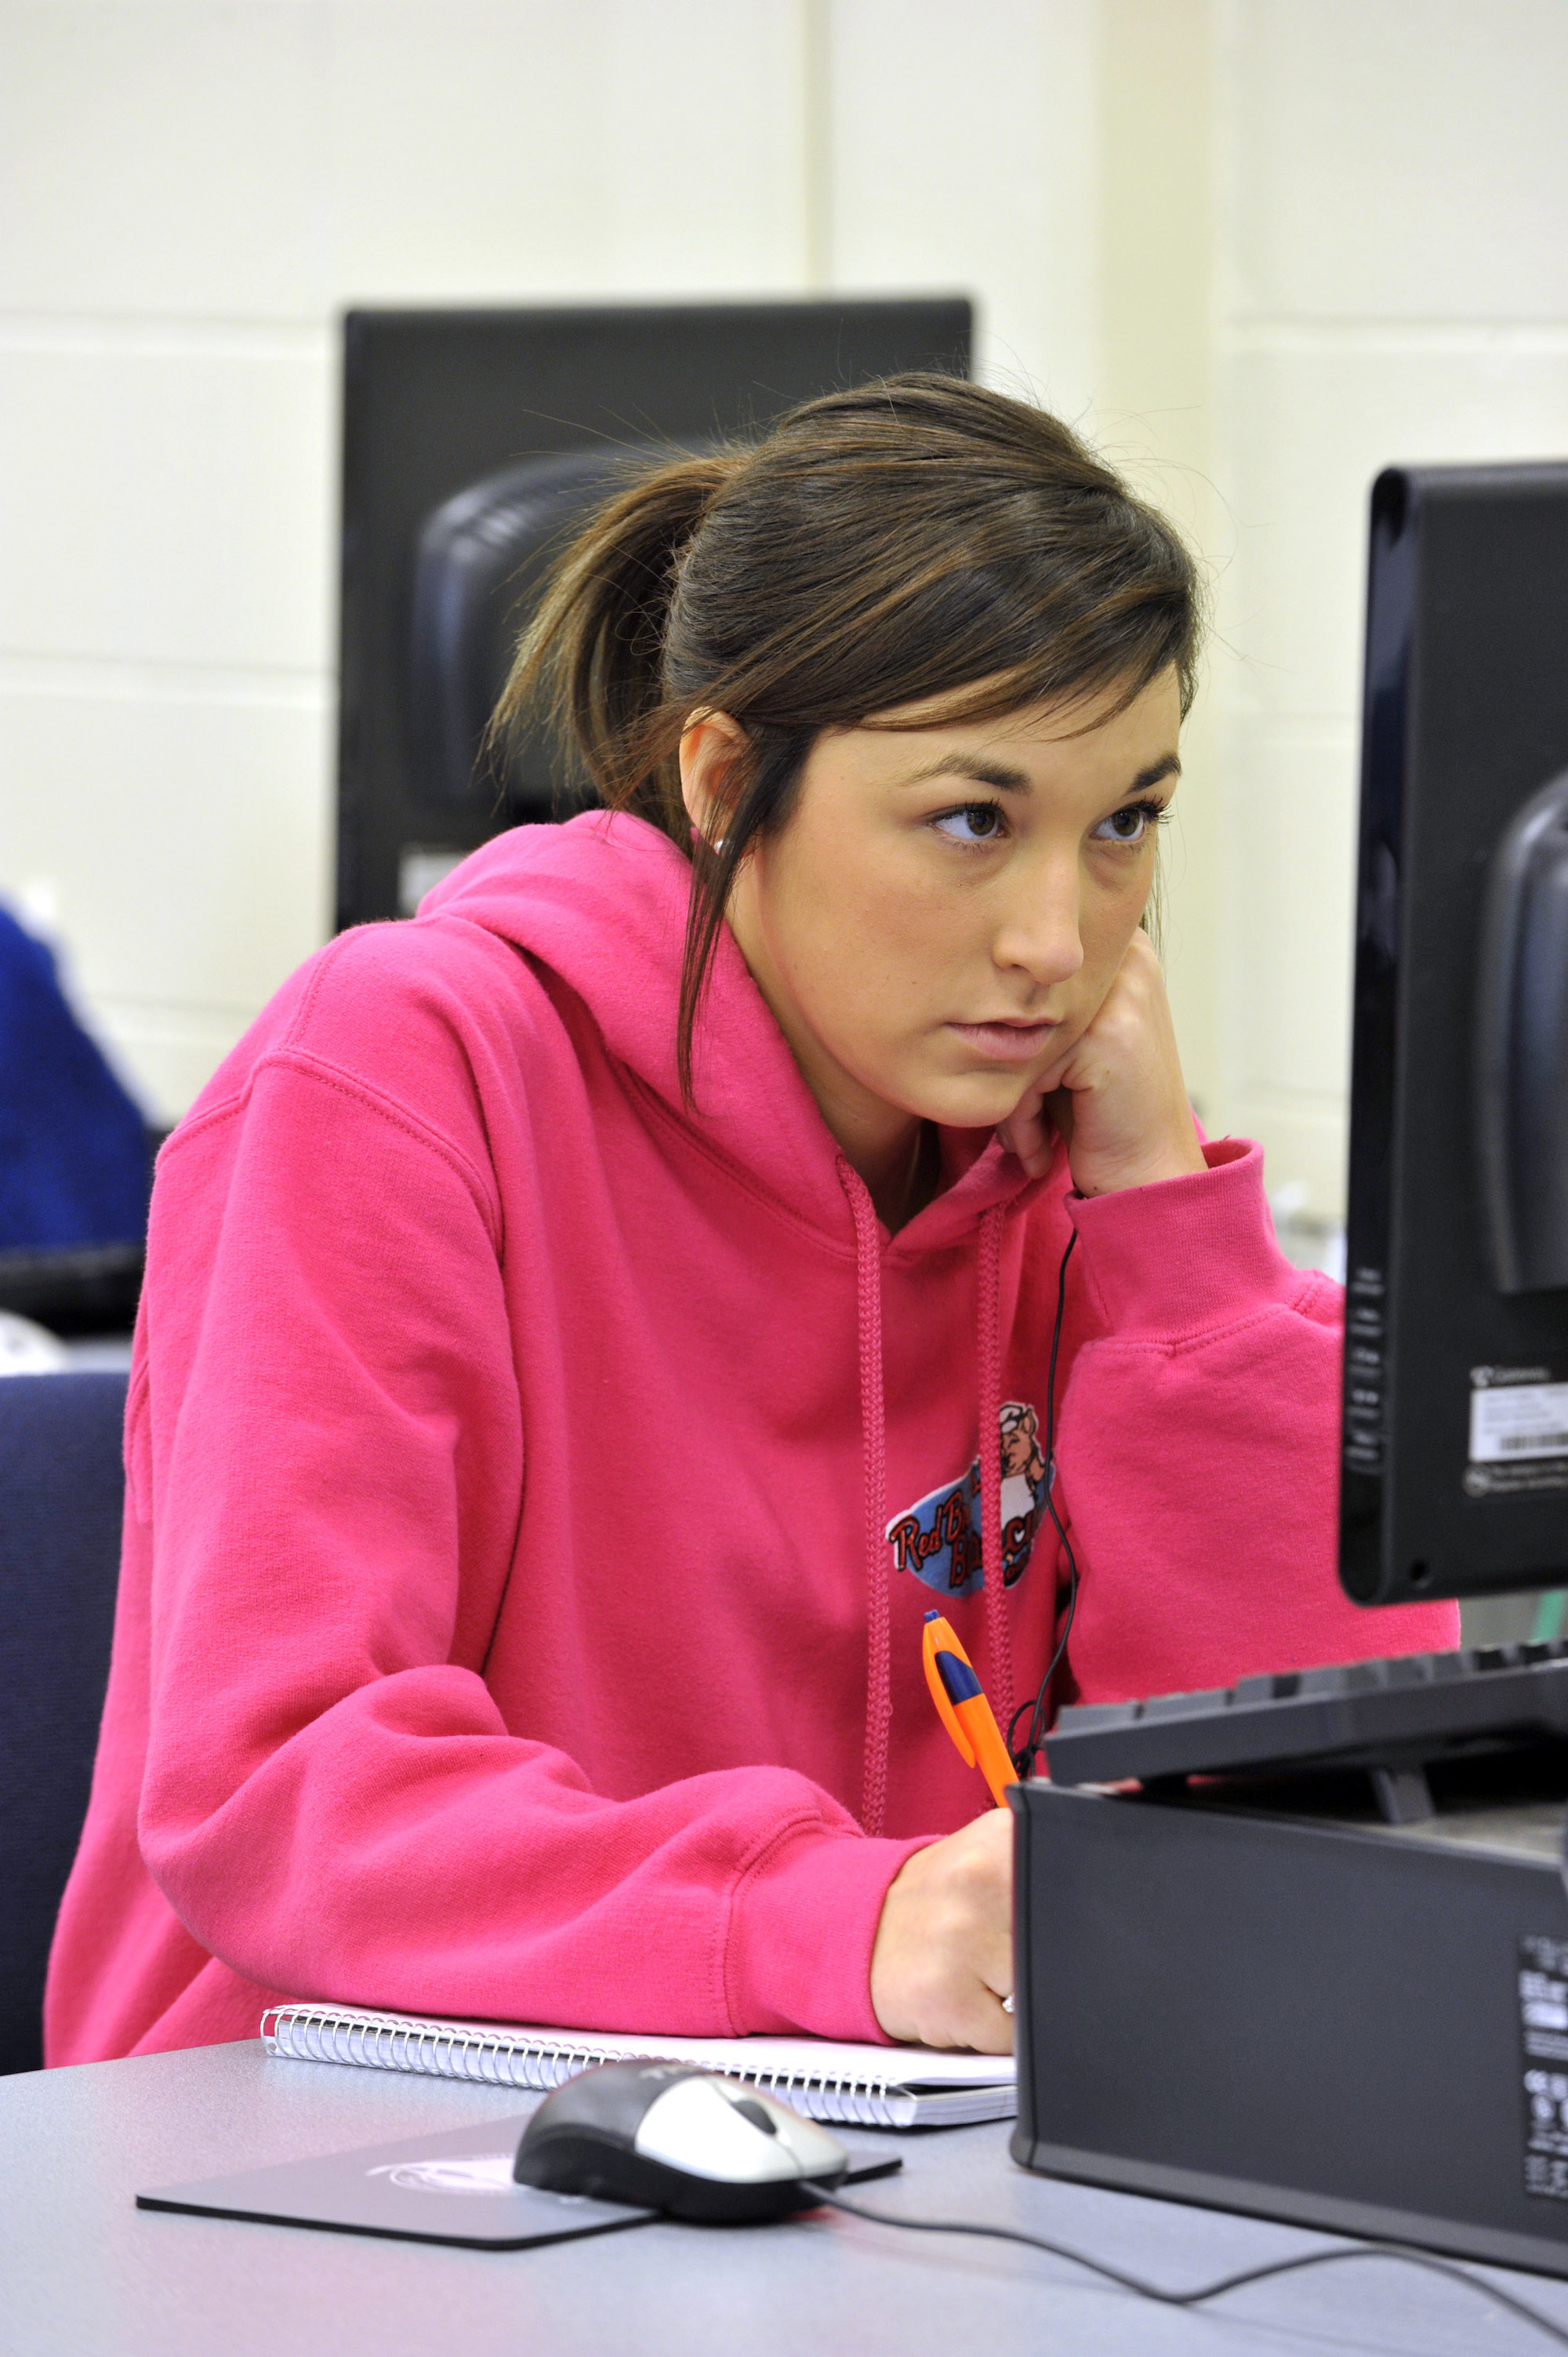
(860, 2086)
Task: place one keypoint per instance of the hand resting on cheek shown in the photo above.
(1117, 1096)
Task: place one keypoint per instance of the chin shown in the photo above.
(968, 1104)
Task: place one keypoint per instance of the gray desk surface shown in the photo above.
(83, 2271)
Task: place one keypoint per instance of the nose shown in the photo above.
(1038, 930)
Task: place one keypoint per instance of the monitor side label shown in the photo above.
(1519, 1431)
(1543, 2033)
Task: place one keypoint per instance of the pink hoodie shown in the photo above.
(507, 1624)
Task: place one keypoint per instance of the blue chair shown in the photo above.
(61, 1492)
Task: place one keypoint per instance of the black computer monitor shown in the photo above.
(1455, 1465)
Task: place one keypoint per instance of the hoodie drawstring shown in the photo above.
(998, 1644)
(873, 1432)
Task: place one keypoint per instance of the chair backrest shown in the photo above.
(61, 1492)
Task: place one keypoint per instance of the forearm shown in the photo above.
(1199, 1442)
(404, 1850)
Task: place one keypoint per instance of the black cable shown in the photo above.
(1202, 2292)
(1028, 1751)
(1023, 1761)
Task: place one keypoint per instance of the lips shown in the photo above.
(1007, 1043)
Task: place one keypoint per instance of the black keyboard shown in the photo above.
(1394, 1717)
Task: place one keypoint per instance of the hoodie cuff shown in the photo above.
(802, 1924)
(1188, 1254)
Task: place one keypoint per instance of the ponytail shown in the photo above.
(592, 659)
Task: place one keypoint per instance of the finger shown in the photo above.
(994, 1964)
(972, 2020)
(1044, 1114)
(1055, 1075)
(1032, 1141)
(1026, 1132)
(985, 2027)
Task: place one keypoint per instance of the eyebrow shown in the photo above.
(1014, 781)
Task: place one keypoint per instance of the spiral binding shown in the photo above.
(314, 2033)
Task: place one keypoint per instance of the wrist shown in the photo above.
(1175, 1158)
(1174, 1260)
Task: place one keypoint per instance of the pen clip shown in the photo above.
(938, 1638)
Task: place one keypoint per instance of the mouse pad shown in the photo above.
(451, 2188)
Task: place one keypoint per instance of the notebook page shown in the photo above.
(799, 2058)
(820, 2060)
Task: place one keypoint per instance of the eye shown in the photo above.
(1130, 824)
(975, 822)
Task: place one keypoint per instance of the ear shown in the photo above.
(710, 749)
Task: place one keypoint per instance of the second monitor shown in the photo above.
(1455, 1477)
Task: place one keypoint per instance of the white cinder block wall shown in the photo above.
(1390, 254)
(1262, 245)
(191, 191)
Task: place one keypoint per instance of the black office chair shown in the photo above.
(481, 560)
(61, 1491)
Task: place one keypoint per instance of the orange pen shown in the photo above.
(962, 1708)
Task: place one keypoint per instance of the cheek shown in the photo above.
(861, 927)
(875, 970)
(822, 921)
(1109, 916)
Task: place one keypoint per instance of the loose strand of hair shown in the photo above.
(764, 779)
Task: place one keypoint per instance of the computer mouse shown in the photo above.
(662, 2136)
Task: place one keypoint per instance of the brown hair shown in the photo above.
(913, 540)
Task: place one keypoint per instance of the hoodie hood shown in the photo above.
(601, 903)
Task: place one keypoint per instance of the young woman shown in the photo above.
(586, 1328)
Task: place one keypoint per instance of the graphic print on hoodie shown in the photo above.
(411, 1706)
(939, 1537)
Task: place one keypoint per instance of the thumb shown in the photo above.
(1030, 1132)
